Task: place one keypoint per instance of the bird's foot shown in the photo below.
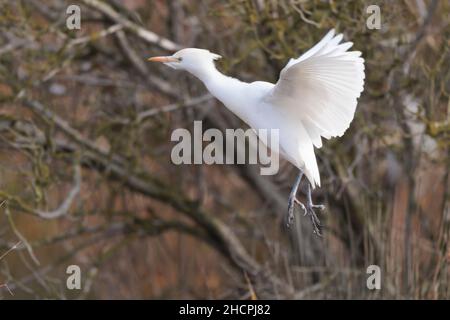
(291, 207)
(317, 226)
(308, 210)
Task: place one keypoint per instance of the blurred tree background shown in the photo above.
(86, 176)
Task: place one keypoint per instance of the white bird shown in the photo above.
(315, 96)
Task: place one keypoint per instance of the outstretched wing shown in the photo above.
(319, 90)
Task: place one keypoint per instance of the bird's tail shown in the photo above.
(308, 158)
(313, 176)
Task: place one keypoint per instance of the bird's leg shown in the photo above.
(310, 210)
(293, 200)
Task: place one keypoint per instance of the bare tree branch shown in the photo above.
(141, 32)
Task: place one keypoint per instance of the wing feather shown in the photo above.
(319, 90)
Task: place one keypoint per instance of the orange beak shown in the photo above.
(163, 59)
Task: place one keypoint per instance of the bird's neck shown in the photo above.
(212, 78)
(206, 72)
(227, 89)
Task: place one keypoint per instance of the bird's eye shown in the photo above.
(180, 59)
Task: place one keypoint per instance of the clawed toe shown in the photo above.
(291, 207)
(305, 211)
(308, 210)
(317, 225)
(290, 215)
(321, 207)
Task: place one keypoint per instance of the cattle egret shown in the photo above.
(315, 96)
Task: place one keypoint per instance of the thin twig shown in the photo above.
(141, 32)
(65, 206)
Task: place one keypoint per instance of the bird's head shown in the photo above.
(190, 59)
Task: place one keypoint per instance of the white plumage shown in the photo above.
(315, 96)
(319, 91)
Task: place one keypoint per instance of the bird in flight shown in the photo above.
(314, 98)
